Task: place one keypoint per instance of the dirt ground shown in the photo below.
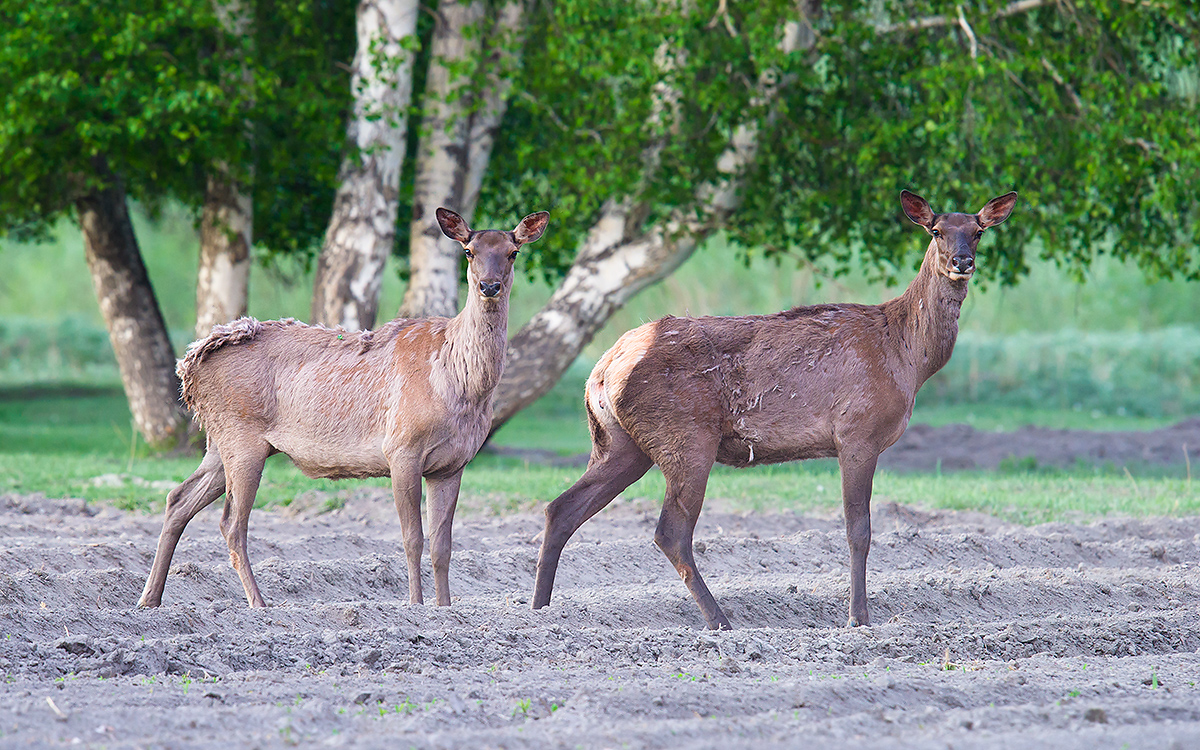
(987, 634)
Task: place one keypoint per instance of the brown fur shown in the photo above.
(412, 399)
(818, 381)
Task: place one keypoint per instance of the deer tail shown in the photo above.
(602, 421)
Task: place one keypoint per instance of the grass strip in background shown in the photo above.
(495, 486)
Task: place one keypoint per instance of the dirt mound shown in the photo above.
(986, 635)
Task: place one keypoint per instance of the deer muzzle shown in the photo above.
(961, 267)
(490, 289)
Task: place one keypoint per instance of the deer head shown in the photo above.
(956, 235)
(491, 252)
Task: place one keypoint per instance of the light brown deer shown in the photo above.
(411, 399)
(810, 382)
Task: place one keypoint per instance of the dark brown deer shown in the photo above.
(811, 382)
(411, 399)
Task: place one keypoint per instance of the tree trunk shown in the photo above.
(458, 131)
(225, 239)
(362, 228)
(441, 161)
(227, 225)
(619, 258)
(134, 321)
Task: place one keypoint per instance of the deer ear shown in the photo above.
(916, 209)
(453, 226)
(997, 209)
(531, 227)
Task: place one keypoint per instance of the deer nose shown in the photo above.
(963, 263)
(490, 288)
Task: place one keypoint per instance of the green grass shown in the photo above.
(59, 441)
(495, 485)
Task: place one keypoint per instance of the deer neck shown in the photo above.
(930, 308)
(477, 339)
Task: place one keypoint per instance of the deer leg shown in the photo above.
(677, 523)
(857, 475)
(406, 492)
(197, 492)
(242, 476)
(443, 498)
(604, 479)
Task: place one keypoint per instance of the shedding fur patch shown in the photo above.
(242, 329)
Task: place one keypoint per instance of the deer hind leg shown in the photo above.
(687, 479)
(205, 485)
(858, 473)
(622, 464)
(443, 499)
(243, 472)
(406, 492)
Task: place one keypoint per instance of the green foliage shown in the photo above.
(621, 99)
(298, 120)
(1088, 109)
(88, 84)
(1076, 106)
(157, 94)
(71, 349)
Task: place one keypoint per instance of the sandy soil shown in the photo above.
(987, 634)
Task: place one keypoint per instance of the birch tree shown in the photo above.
(227, 223)
(791, 127)
(471, 68)
(362, 228)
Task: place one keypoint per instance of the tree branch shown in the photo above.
(1054, 74)
(966, 27)
(930, 22)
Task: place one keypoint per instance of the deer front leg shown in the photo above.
(443, 499)
(406, 492)
(858, 473)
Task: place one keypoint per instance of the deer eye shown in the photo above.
(468, 253)
(935, 232)
(513, 255)
(979, 234)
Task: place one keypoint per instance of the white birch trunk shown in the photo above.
(227, 223)
(502, 52)
(225, 240)
(362, 228)
(441, 156)
(458, 132)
